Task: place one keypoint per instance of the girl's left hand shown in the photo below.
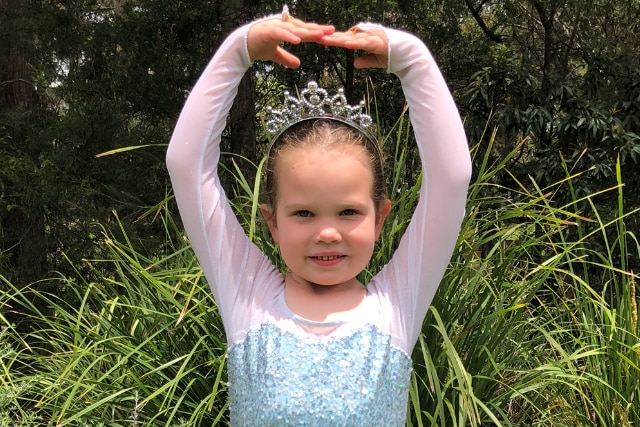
(373, 41)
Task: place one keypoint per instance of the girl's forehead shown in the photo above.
(328, 151)
(323, 161)
(324, 177)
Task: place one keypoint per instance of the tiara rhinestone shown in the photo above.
(315, 102)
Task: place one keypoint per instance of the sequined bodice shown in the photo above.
(283, 379)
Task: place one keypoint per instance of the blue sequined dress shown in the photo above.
(284, 369)
(287, 376)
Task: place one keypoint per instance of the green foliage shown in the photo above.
(517, 334)
(141, 347)
(533, 79)
(536, 320)
(105, 75)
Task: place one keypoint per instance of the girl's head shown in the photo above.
(325, 201)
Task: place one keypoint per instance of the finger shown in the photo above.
(336, 39)
(371, 44)
(310, 32)
(355, 41)
(312, 26)
(353, 32)
(285, 34)
(286, 59)
(294, 32)
(295, 35)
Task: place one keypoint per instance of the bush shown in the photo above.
(517, 334)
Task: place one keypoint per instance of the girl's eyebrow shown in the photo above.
(293, 207)
(353, 204)
(297, 205)
(349, 204)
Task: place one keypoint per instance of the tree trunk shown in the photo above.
(242, 119)
(349, 77)
(23, 238)
(16, 83)
(242, 115)
(547, 17)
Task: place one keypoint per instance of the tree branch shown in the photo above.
(8, 82)
(475, 12)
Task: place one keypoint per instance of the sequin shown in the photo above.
(281, 379)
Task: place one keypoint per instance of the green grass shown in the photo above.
(535, 323)
(143, 346)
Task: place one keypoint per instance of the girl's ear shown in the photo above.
(383, 211)
(270, 218)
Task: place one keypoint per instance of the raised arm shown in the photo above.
(412, 277)
(192, 160)
(230, 262)
(426, 247)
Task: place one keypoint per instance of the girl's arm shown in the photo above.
(217, 238)
(230, 262)
(426, 247)
(412, 277)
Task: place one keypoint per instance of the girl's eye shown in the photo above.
(349, 212)
(302, 214)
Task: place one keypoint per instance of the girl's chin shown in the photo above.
(332, 284)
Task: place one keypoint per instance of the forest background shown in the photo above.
(90, 92)
(80, 78)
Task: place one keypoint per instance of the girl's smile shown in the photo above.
(327, 259)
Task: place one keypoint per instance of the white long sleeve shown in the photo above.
(231, 263)
(414, 274)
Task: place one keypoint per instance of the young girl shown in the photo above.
(314, 346)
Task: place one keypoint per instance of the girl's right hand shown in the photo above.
(264, 38)
(373, 41)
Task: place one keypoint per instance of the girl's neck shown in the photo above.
(322, 303)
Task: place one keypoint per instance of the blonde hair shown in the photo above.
(322, 133)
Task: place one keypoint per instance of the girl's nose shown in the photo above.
(328, 235)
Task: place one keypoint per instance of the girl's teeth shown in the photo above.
(328, 258)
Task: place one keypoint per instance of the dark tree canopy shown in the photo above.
(83, 77)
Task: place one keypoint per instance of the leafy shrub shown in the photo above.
(517, 335)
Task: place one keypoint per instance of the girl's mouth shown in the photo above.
(328, 258)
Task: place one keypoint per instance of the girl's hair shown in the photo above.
(324, 133)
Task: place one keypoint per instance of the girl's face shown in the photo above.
(325, 219)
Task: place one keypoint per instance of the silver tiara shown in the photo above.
(315, 102)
